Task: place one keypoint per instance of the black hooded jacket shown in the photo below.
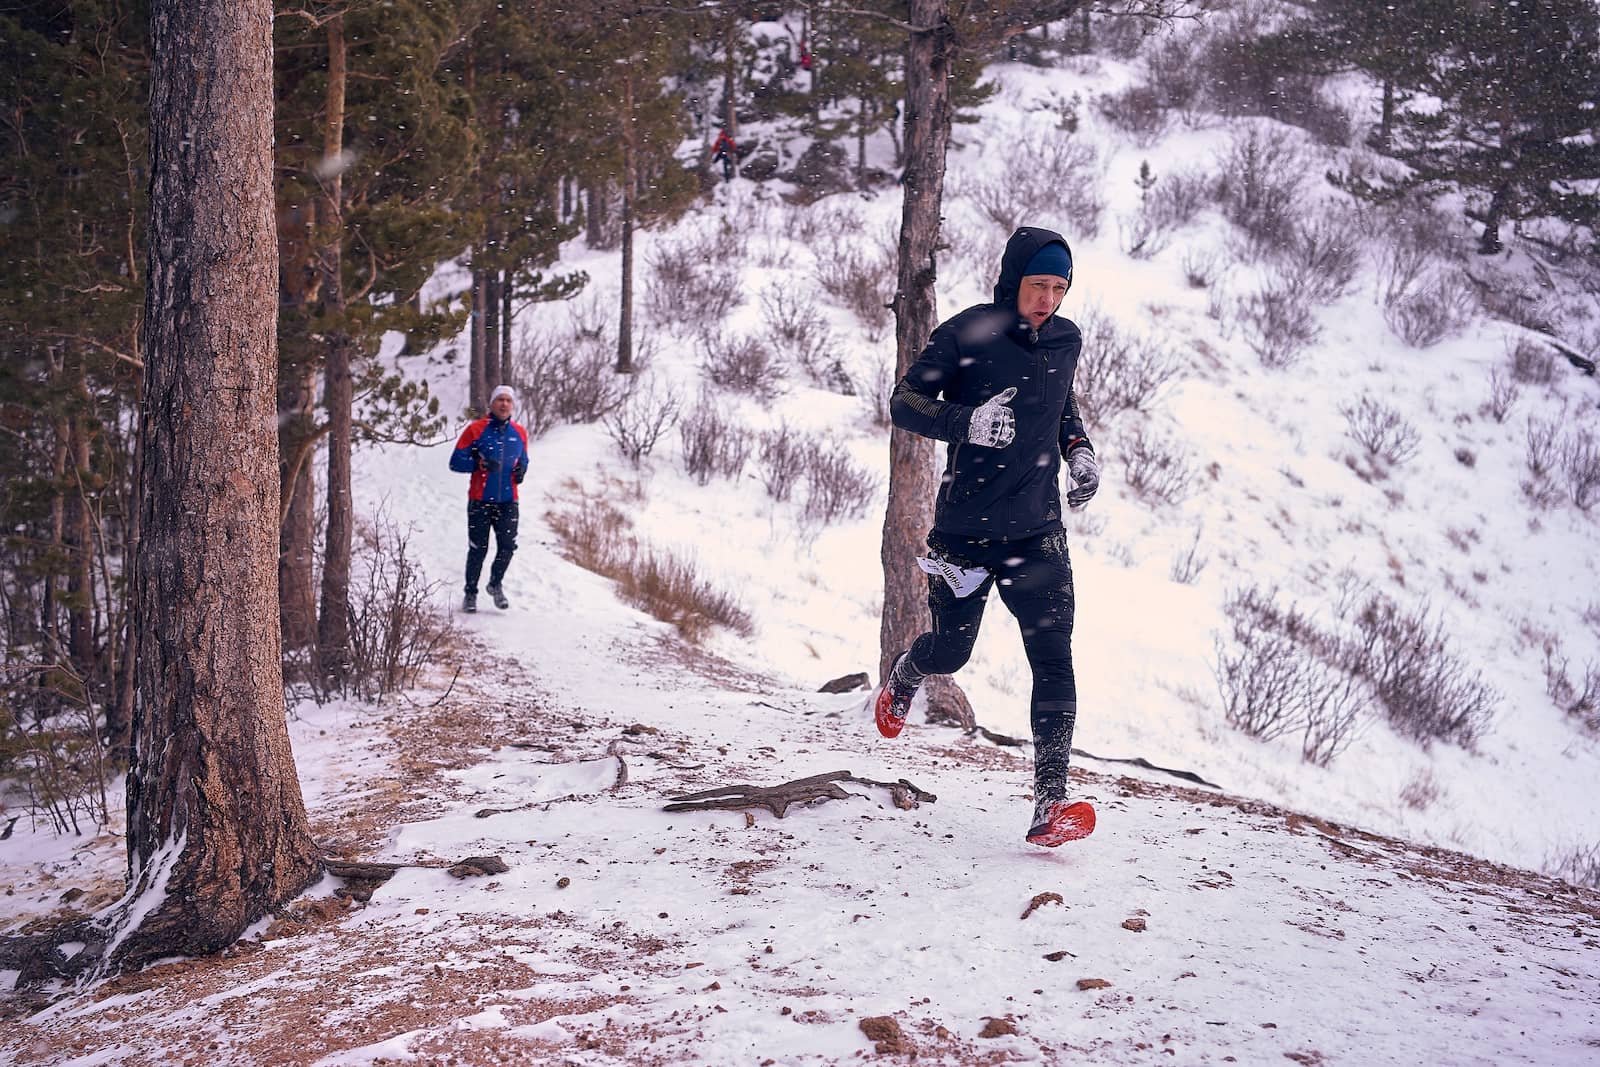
(1009, 493)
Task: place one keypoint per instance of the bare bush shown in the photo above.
(862, 281)
(1245, 71)
(713, 444)
(565, 380)
(1580, 699)
(799, 331)
(1325, 256)
(396, 625)
(884, 379)
(1172, 73)
(50, 740)
(1042, 174)
(1275, 679)
(836, 487)
(1577, 866)
(1118, 371)
(597, 537)
(827, 223)
(1440, 307)
(1503, 393)
(1140, 111)
(1200, 268)
(1158, 468)
(1188, 563)
(1427, 692)
(782, 459)
(1259, 185)
(1532, 364)
(1543, 450)
(1178, 197)
(1382, 431)
(688, 288)
(1580, 462)
(1141, 236)
(744, 364)
(1278, 323)
(639, 424)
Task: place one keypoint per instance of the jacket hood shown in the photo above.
(1019, 250)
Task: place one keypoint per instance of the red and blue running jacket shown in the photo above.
(495, 453)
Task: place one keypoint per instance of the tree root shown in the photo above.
(778, 798)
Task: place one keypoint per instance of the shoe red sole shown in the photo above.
(888, 725)
(1067, 822)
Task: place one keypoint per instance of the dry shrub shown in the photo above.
(1439, 306)
(1248, 71)
(396, 625)
(1503, 393)
(1278, 323)
(1140, 111)
(597, 537)
(1579, 698)
(1044, 174)
(742, 363)
(860, 280)
(1200, 268)
(1178, 197)
(1532, 363)
(639, 424)
(827, 223)
(837, 487)
(1280, 675)
(1158, 467)
(1427, 692)
(51, 743)
(1189, 562)
(1579, 865)
(1580, 462)
(1325, 255)
(1259, 185)
(800, 333)
(1383, 432)
(713, 444)
(566, 380)
(1119, 371)
(689, 288)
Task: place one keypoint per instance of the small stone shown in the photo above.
(998, 1028)
(563, 882)
(1093, 983)
(1134, 924)
(420, 911)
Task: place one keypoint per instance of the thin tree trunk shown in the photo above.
(80, 530)
(912, 479)
(629, 179)
(478, 393)
(491, 324)
(1490, 243)
(333, 616)
(217, 831)
(595, 216)
(297, 599)
(119, 713)
(506, 288)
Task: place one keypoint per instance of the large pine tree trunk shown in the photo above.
(217, 831)
(912, 479)
(338, 394)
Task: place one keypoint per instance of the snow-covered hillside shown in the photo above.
(1299, 911)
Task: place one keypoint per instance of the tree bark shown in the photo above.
(333, 616)
(912, 479)
(1489, 244)
(478, 387)
(629, 188)
(217, 832)
(506, 289)
(297, 601)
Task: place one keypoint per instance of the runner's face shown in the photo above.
(1040, 296)
(501, 406)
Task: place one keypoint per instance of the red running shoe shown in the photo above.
(1055, 822)
(892, 704)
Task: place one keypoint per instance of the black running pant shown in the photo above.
(481, 518)
(1035, 582)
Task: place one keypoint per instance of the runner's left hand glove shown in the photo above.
(519, 471)
(1085, 471)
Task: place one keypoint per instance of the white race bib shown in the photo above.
(963, 581)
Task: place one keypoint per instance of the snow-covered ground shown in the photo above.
(623, 933)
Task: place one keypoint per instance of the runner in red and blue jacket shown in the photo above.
(494, 450)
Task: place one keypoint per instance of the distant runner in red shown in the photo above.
(724, 149)
(494, 450)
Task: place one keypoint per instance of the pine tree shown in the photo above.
(217, 831)
(1510, 117)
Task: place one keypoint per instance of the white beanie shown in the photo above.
(503, 390)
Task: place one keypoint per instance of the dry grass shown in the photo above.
(599, 538)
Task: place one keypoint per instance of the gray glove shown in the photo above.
(1085, 471)
(993, 425)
